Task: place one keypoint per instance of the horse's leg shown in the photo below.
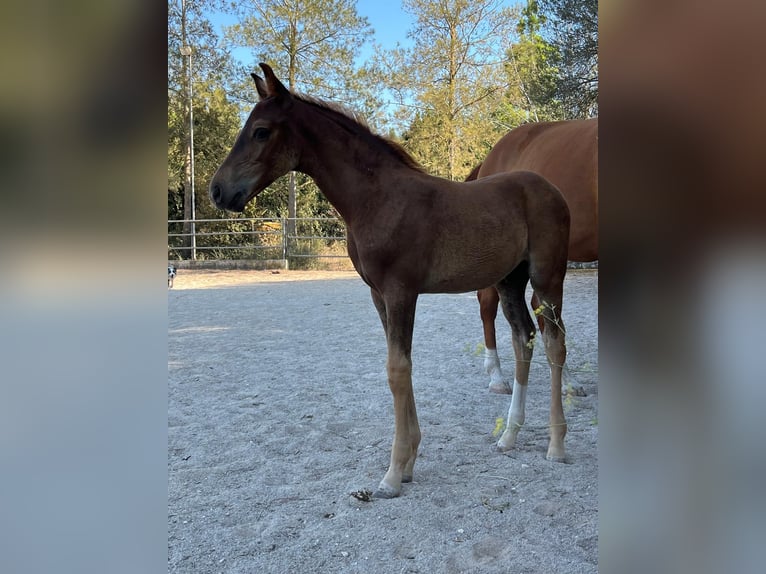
(380, 306)
(488, 301)
(549, 289)
(577, 390)
(400, 320)
(511, 291)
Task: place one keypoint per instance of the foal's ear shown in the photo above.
(273, 86)
(260, 85)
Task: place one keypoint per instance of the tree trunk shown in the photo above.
(451, 99)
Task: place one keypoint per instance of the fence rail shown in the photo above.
(264, 242)
(279, 240)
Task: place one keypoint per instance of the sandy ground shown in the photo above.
(279, 409)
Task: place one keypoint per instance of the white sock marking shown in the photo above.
(519, 399)
(492, 365)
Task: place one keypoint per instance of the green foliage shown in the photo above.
(532, 68)
(450, 82)
(553, 65)
(216, 124)
(189, 25)
(476, 69)
(424, 140)
(462, 103)
(216, 118)
(313, 42)
(573, 29)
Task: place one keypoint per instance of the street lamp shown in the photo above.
(187, 51)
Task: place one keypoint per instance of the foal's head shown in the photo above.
(261, 152)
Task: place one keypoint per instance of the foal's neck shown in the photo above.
(347, 161)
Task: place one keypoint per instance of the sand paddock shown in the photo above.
(278, 409)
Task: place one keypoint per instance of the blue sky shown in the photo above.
(389, 22)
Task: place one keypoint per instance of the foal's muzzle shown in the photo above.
(230, 202)
(216, 194)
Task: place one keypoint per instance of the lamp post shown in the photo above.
(187, 51)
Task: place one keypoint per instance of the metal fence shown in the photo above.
(256, 239)
(264, 242)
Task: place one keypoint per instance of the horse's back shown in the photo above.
(542, 147)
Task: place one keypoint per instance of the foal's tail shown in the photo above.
(474, 173)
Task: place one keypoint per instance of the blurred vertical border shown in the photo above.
(682, 283)
(83, 309)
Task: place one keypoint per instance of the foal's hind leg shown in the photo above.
(488, 301)
(549, 290)
(511, 291)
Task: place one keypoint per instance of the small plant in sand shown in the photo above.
(499, 426)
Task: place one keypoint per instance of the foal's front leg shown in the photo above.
(400, 319)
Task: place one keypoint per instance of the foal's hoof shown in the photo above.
(507, 441)
(385, 491)
(503, 446)
(500, 388)
(555, 458)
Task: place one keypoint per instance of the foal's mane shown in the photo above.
(357, 125)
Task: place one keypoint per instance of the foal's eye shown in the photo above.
(261, 134)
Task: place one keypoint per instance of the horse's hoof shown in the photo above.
(500, 388)
(406, 478)
(384, 491)
(507, 440)
(503, 447)
(556, 458)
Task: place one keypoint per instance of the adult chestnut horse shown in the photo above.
(411, 233)
(566, 154)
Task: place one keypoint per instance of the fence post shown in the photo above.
(284, 240)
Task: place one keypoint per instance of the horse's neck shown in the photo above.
(347, 166)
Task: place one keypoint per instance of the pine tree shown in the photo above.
(453, 78)
(312, 44)
(532, 67)
(573, 27)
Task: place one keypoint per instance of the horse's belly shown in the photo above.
(476, 254)
(471, 273)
